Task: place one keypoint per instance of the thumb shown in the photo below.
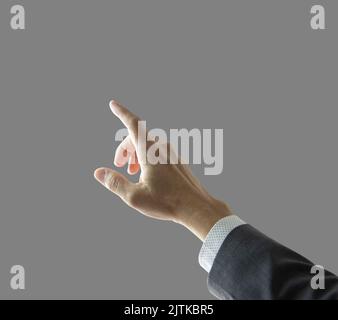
(115, 182)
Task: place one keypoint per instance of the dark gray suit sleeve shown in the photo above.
(249, 265)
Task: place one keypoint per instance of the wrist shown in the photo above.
(204, 215)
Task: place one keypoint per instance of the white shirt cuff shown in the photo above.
(215, 238)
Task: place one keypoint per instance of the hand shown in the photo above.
(164, 191)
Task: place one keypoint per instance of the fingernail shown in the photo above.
(104, 176)
(113, 106)
(100, 175)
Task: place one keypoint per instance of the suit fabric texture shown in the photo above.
(251, 266)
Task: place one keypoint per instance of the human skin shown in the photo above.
(164, 191)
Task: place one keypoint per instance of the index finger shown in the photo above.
(129, 119)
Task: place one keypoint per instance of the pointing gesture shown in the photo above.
(164, 191)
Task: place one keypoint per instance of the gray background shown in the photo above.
(252, 67)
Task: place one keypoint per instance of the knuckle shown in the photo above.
(113, 182)
(133, 121)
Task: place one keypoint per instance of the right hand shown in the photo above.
(164, 191)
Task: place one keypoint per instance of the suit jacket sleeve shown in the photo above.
(249, 265)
